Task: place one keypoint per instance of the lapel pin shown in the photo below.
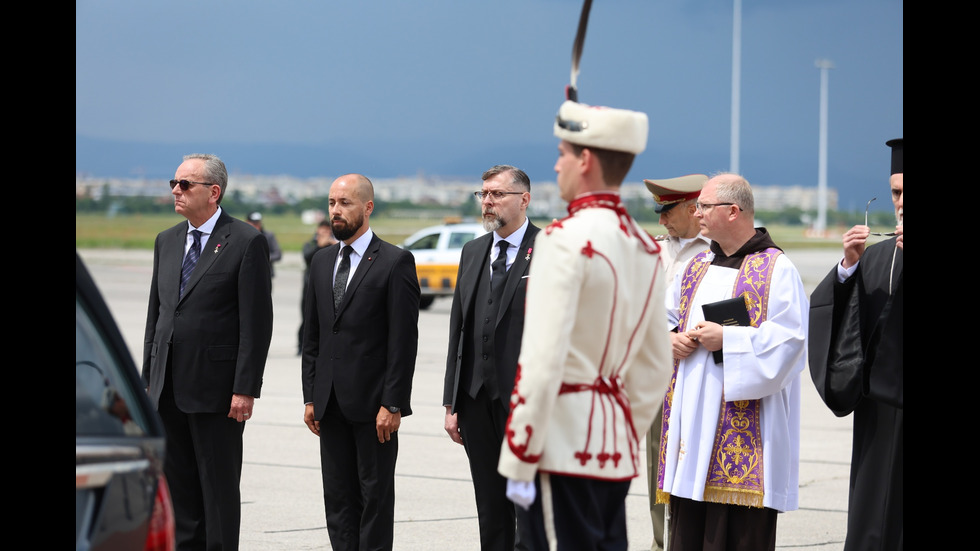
(528, 257)
(216, 247)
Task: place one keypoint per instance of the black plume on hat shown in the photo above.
(571, 91)
(898, 154)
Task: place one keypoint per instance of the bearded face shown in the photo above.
(345, 227)
(491, 220)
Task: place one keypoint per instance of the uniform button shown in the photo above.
(485, 338)
(486, 320)
(485, 356)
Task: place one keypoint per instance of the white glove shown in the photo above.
(521, 493)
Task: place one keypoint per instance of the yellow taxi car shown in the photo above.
(437, 250)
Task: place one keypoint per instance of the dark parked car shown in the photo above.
(121, 496)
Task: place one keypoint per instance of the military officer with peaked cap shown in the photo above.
(676, 204)
(595, 355)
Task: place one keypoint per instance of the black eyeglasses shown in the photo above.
(866, 207)
(495, 195)
(184, 184)
(702, 206)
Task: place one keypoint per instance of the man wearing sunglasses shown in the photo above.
(857, 365)
(208, 329)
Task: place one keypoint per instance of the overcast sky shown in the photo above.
(461, 79)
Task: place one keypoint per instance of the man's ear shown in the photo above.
(587, 160)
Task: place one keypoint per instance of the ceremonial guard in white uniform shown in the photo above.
(595, 355)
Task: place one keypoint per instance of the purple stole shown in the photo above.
(735, 474)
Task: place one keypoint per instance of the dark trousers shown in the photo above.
(482, 422)
(698, 525)
(203, 466)
(588, 513)
(358, 482)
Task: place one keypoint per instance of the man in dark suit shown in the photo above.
(208, 328)
(359, 347)
(485, 329)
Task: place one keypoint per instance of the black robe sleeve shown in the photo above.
(835, 350)
(856, 347)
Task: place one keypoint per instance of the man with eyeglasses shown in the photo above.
(857, 365)
(730, 439)
(485, 327)
(208, 329)
(675, 203)
(594, 356)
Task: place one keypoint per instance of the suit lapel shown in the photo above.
(519, 269)
(332, 252)
(363, 267)
(217, 241)
(172, 258)
(473, 272)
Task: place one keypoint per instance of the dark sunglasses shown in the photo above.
(184, 184)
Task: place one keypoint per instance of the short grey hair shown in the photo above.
(735, 189)
(214, 170)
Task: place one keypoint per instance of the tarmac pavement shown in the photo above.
(282, 501)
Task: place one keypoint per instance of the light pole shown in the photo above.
(820, 226)
(736, 83)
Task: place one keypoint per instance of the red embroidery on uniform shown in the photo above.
(613, 202)
(520, 450)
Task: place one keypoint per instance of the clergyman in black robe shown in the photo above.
(856, 361)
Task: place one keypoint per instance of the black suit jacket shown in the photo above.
(475, 258)
(219, 332)
(365, 352)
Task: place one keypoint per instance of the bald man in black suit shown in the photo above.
(359, 348)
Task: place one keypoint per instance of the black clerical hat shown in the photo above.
(898, 150)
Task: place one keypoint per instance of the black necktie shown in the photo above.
(498, 271)
(340, 282)
(190, 260)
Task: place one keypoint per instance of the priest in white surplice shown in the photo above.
(729, 456)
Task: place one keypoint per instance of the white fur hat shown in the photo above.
(602, 127)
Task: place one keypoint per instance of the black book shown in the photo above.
(726, 312)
